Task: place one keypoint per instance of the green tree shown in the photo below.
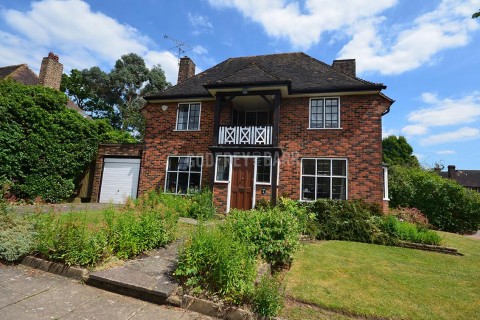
(44, 146)
(476, 15)
(117, 95)
(396, 150)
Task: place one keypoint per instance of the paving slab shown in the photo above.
(147, 277)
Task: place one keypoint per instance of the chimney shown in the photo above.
(347, 66)
(452, 173)
(186, 69)
(51, 72)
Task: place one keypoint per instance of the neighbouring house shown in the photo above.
(261, 127)
(50, 76)
(468, 178)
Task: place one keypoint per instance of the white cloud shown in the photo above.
(303, 22)
(392, 52)
(82, 38)
(414, 130)
(462, 134)
(199, 50)
(200, 23)
(389, 132)
(445, 152)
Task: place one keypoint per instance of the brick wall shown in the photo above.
(112, 150)
(359, 141)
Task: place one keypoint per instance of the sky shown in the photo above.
(426, 52)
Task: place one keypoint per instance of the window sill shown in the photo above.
(186, 130)
(263, 183)
(325, 128)
(222, 182)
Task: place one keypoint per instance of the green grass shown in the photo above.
(391, 282)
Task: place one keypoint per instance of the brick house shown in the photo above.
(262, 127)
(470, 179)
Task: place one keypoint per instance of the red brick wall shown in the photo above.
(359, 141)
(113, 150)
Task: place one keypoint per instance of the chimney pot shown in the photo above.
(186, 69)
(452, 173)
(347, 66)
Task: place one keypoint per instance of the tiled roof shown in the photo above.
(20, 73)
(306, 74)
(466, 178)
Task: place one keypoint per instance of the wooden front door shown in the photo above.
(241, 196)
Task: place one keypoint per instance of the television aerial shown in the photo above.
(180, 47)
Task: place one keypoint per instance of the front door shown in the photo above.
(241, 196)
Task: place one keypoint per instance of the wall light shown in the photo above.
(164, 107)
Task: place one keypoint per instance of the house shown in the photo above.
(468, 178)
(50, 76)
(262, 127)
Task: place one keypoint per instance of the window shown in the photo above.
(223, 169)
(183, 174)
(385, 183)
(324, 113)
(324, 178)
(264, 169)
(188, 116)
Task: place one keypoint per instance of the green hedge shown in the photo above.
(447, 205)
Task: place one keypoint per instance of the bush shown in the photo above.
(218, 263)
(347, 220)
(201, 205)
(447, 205)
(17, 235)
(274, 234)
(268, 297)
(407, 231)
(412, 215)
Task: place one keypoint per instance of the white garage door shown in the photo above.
(119, 179)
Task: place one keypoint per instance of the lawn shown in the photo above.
(380, 281)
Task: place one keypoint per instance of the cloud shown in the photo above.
(445, 152)
(414, 130)
(200, 23)
(82, 38)
(199, 50)
(388, 51)
(462, 134)
(389, 132)
(303, 22)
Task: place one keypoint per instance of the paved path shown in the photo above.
(27, 293)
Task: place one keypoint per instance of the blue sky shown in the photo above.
(427, 52)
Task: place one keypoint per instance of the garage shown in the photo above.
(119, 179)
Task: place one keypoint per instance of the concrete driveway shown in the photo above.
(27, 293)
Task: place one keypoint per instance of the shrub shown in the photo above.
(17, 235)
(268, 297)
(412, 215)
(218, 263)
(274, 234)
(346, 220)
(447, 205)
(201, 205)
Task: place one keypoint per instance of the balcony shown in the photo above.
(245, 135)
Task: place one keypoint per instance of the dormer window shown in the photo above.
(324, 113)
(188, 116)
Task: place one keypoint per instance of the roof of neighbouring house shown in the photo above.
(20, 73)
(301, 72)
(466, 178)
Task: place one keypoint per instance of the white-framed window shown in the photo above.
(222, 170)
(385, 183)
(264, 170)
(324, 113)
(188, 116)
(184, 173)
(324, 178)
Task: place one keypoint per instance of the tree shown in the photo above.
(476, 15)
(397, 151)
(44, 146)
(116, 96)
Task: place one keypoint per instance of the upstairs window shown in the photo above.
(324, 113)
(188, 116)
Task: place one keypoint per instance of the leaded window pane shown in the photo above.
(308, 188)
(171, 185)
(183, 164)
(263, 169)
(339, 168)
(196, 164)
(339, 188)
(324, 178)
(308, 166)
(182, 120)
(323, 188)
(323, 167)
(324, 113)
(223, 168)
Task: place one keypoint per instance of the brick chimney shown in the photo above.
(51, 71)
(186, 69)
(452, 173)
(347, 66)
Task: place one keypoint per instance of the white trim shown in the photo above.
(216, 167)
(125, 160)
(331, 176)
(270, 178)
(386, 195)
(189, 172)
(324, 107)
(188, 116)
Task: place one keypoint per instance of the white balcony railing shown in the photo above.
(257, 135)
